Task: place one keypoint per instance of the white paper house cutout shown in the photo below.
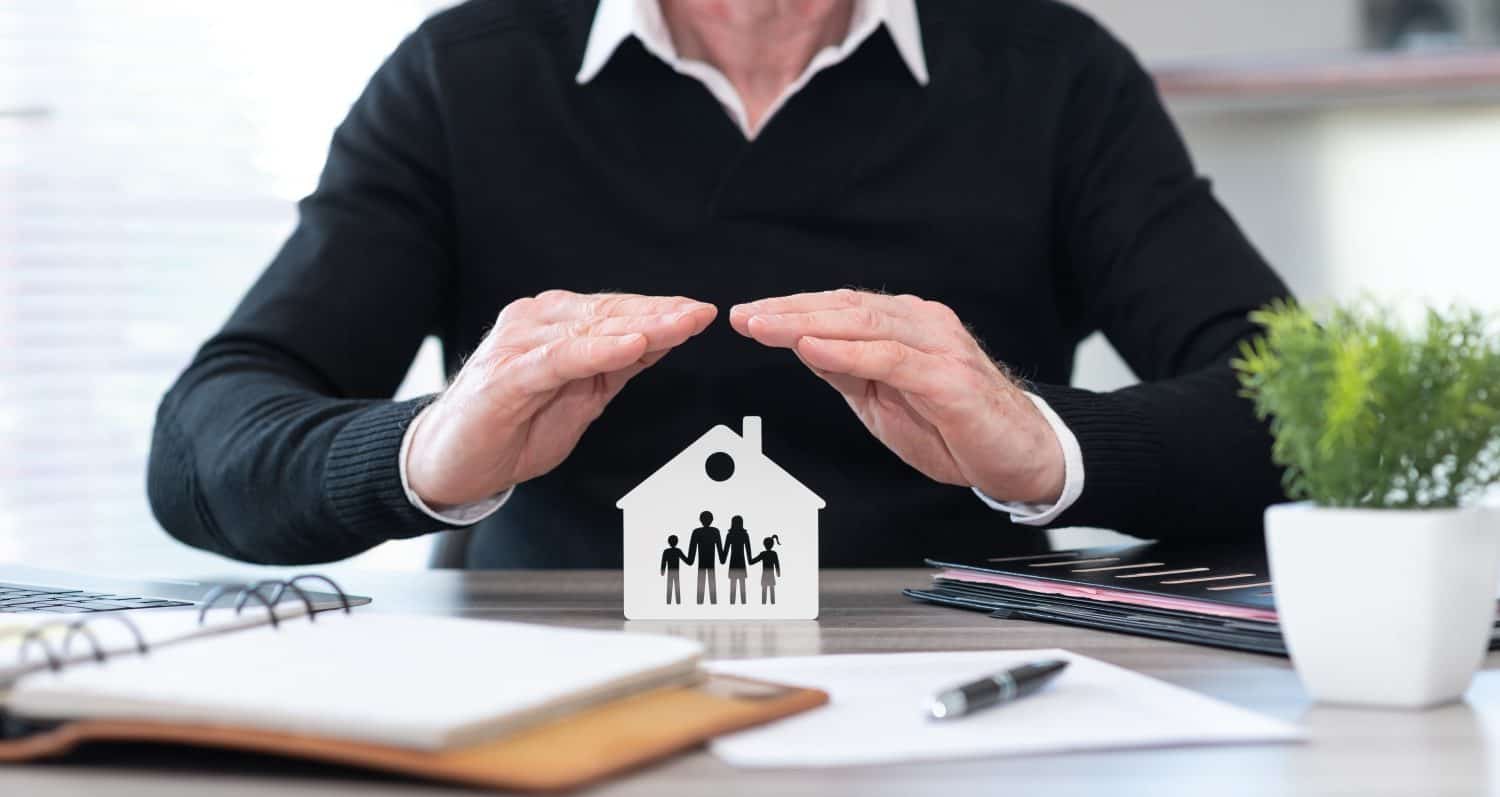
(769, 500)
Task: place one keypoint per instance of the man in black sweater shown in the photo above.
(988, 171)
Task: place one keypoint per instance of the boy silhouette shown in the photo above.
(707, 546)
(670, 559)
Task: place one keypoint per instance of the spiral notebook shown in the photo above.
(34, 641)
(498, 704)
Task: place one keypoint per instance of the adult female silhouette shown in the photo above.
(770, 567)
(737, 551)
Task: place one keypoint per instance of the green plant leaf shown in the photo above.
(1363, 413)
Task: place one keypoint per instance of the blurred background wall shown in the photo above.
(150, 155)
(1352, 172)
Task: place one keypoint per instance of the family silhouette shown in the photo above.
(708, 548)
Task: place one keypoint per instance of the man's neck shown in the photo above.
(760, 46)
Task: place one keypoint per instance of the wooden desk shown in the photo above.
(1444, 752)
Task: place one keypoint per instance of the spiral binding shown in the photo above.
(75, 629)
(243, 593)
(268, 593)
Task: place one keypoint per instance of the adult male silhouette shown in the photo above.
(707, 546)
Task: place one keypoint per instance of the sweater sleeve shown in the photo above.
(1153, 260)
(279, 442)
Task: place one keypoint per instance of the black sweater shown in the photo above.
(1036, 186)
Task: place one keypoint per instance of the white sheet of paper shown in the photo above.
(877, 712)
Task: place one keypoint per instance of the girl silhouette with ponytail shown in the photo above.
(770, 567)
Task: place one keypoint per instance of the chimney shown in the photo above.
(750, 432)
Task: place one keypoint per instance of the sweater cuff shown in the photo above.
(1122, 455)
(362, 477)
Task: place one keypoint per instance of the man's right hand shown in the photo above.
(535, 383)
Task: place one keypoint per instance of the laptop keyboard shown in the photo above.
(25, 598)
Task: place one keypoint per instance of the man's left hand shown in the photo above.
(920, 383)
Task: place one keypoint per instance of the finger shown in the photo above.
(565, 360)
(896, 364)
(557, 305)
(615, 381)
(841, 299)
(852, 388)
(855, 323)
(612, 383)
(662, 331)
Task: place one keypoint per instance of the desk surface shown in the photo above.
(1443, 752)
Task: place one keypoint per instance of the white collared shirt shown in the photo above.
(618, 20)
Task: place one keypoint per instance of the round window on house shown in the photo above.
(719, 466)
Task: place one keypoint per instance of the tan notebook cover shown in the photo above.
(560, 754)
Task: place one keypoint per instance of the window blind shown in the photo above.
(150, 158)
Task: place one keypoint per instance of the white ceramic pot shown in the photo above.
(1384, 607)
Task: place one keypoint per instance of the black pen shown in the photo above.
(1002, 687)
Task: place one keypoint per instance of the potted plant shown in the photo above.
(1385, 570)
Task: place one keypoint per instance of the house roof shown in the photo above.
(749, 463)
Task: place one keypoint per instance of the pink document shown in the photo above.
(1108, 595)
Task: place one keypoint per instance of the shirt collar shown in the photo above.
(618, 20)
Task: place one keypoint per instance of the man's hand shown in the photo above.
(921, 384)
(537, 380)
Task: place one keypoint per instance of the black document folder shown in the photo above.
(1219, 596)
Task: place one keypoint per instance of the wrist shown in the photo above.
(1051, 473)
(1041, 484)
(1039, 472)
(421, 472)
(447, 466)
(413, 476)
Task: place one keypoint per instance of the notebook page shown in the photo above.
(406, 681)
(114, 637)
(877, 711)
